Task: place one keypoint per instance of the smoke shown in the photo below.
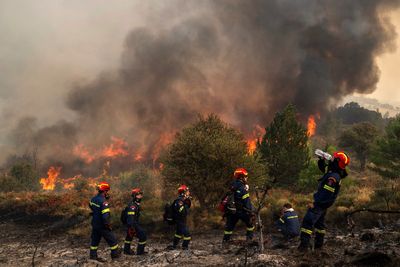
(243, 60)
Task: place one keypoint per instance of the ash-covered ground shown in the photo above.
(32, 245)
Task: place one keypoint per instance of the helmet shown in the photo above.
(239, 173)
(103, 186)
(136, 191)
(342, 158)
(182, 189)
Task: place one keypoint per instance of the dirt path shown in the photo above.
(369, 248)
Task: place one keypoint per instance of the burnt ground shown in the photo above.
(32, 245)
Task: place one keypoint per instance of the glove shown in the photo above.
(188, 202)
(131, 232)
(322, 165)
(253, 219)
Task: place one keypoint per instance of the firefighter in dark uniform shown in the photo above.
(180, 209)
(288, 224)
(133, 227)
(244, 208)
(328, 189)
(101, 226)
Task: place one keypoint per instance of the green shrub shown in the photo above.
(308, 178)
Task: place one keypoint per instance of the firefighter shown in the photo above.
(101, 226)
(244, 208)
(180, 209)
(288, 224)
(132, 221)
(328, 189)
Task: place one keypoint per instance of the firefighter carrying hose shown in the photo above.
(328, 189)
(101, 226)
(243, 208)
(131, 219)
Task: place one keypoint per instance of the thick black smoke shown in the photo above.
(241, 59)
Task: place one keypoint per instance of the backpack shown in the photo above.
(169, 214)
(124, 216)
(227, 204)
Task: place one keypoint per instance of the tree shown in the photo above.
(386, 156)
(352, 113)
(360, 138)
(204, 156)
(284, 147)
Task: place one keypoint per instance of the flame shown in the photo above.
(251, 146)
(311, 125)
(68, 183)
(161, 166)
(255, 137)
(164, 139)
(138, 156)
(116, 149)
(49, 183)
(92, 182)
(82, 152)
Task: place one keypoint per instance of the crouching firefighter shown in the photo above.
(328, 189)
(130, 217)
(244, 208)
(180, 210)
(101, 226)
(288, 224)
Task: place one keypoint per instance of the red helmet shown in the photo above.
(182, 189)
(103, 186)
(136, 191)
(343, 159)
(239, 173)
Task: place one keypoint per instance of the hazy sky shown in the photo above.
(388, 89)
(47, 48)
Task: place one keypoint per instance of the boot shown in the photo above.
(319, 241)
(176, 242)
(140, 249)
(128, 250)
(93, 256)
(185, 244)
(115, 253)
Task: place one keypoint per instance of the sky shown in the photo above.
(388, 88)
(39, 41)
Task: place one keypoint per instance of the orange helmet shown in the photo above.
(136, 191)
(239, 173)
(103, 186)
(343, 159)
(182, 189)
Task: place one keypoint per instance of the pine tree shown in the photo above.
(360, 138)
(386, 157)
(284, 147)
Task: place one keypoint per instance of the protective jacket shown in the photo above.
(242, 196)
(100, 212)
(328, 189)
(181, 208)
(289, 223)
(133, 214)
